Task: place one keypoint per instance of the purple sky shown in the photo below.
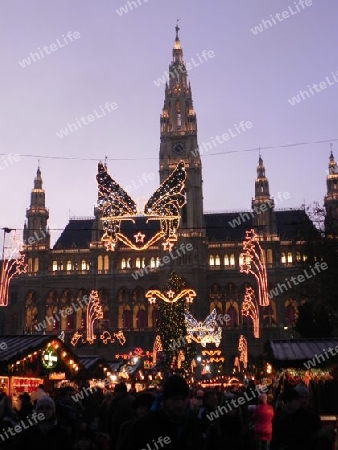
(118, 57)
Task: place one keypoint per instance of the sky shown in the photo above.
(115, 55)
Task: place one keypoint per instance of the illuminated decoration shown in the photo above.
(208, 332)
(171, 323)
(157, 347)
(139, 237)
(254, 263)
(180, 359)
(163, 206)
(243, 349)
(11, 266)
(250, 309)
(62, 336)
(95, 312)
(49, 359)
(170, 297)
(215, 356)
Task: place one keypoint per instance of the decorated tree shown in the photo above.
(171, 325)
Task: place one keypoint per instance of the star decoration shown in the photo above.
(110, 246)
(170, 293)
(152, 300)
(139, 237)
(189, 299)
(167, 245)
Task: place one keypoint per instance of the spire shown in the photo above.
(261, 182)
(331, 198)
(38, 179)
(177, 44)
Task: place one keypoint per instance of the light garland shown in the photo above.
(11, 266)
(250, 309)
(158, 347)
(243, 349)
(208, 332)
(254, 263)
(163, 206)
(170, 297)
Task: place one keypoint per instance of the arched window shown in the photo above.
(232, 259)
(83, 265)
(217, 260)
(36, 265)
(106, 262)
(155, 316)
(283, 258)
(30, 265)
(69, 265)
(138, 263)
(141, 319)
(304, 258)
(123, 264)
(211, 260)
(232, 311)
(129, 263)
(55, 266)
(298, 257)
(126, 318)
(143, 263)
(100, 263)
(226, 260)
(289, 258)
(158, 261)
(152, 262)
(61, 265)
(269, 256)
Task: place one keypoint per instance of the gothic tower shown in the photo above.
(35, 233)
(331, 198)
(264, 219)
(179, 138)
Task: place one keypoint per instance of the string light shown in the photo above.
(163, 206)
(208, 332)
(11, 267)
(243, 348)
(250, 309)
(168, 297)
(158, 347)
(254, 263)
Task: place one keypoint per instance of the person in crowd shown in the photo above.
(8, 418)
(210, 403)
(174, 424)
(141, 407)
(294, 428)
(304, 395)
(40, 392)
(105, 412)
(25, 406)
(69, 412)
(229, 431)
(46, 433)
(262, 417)
(121, 410)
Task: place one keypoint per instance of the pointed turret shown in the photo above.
(331, 198)
(35, 232)
(263, 204)
(179, 137)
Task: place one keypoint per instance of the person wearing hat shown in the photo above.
(44, 433)
(304, 395)
(295, 427)
(26, 407)
(172, 427)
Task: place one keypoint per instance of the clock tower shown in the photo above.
(179, 140)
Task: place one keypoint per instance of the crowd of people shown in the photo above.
(175, 416)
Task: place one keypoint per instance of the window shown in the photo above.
(129, 263)
(69, 265)
(99, 263)
(152, 262)
(138, 263)
(226, 260)
(298, 257)
(289, 258)
(232, 259)
(283, 258)
(269, 256)
(105, 262)
(83, 265)
(158, 261)
(217, 260)
(211, 260)
(143, 264)
(55, 266)
(123, 264)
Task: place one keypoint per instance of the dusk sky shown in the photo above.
(117, 54)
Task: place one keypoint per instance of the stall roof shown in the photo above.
(300, 349)
(13, 348)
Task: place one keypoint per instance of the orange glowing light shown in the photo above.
(153, 293)
(250, 309)
(243, 349)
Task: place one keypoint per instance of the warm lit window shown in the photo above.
(226, 260)
(298, 257)
(123, 264)
(69, 265)
(106, 262)
(143, 264)
(232, 259)
(100, 263)
(211, 260)
(55, 266)
(138, 263)
(152, 263)
(158, 261)
(283, 258)
(129, 263)
(217, 260)
(289, 258)
(83, 265)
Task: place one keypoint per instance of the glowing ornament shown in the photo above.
(11, 266)
(250, 309)
(164, 207)
(152, 294)
(243, 349)
(139, 237)
(254, 263)
(208, 332)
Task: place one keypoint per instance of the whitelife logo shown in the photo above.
(53, 47)
(303, 95)
(91, 118)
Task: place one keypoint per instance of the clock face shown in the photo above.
(179, 148)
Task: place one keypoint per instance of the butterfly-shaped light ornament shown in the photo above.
(163, 206)
(208, 332)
